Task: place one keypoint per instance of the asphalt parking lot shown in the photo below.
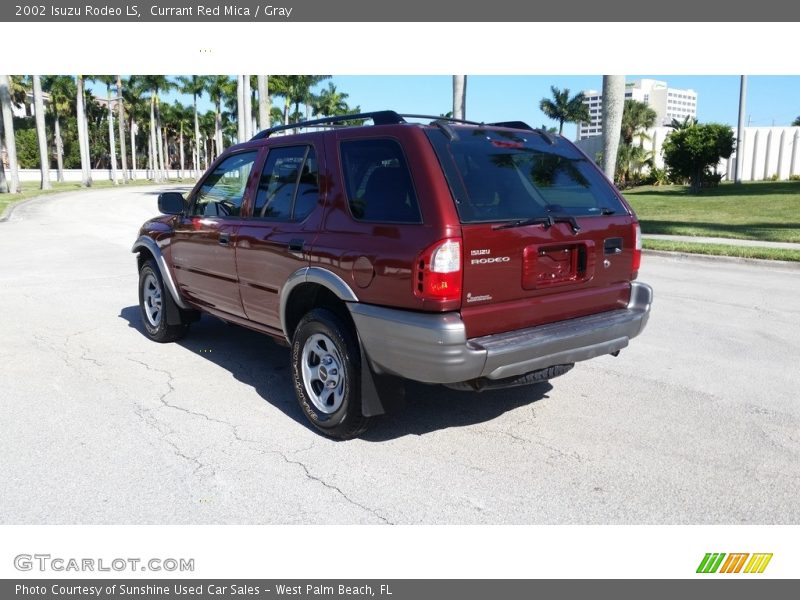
(698, 421)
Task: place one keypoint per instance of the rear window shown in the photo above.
(498, 175)
(378, 183)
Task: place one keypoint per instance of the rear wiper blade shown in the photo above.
(548, 221)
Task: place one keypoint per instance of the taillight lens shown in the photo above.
(637, 250)
(438, 273)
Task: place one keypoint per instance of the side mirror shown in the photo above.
(171, 203)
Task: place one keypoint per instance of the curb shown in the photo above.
(783, 265)
(6, 215)
(12, 207)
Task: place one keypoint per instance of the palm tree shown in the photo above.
(137, 107)
(219, 89)
(156, 84)
(180, 120)
(796, 122)
(109, 80)
(62, 92)
(613, 104)
(678, 124)
(121, 123)
(196, 86)
(331, 102)
(637, 117)
(8, 127)
(294, 89)
(564, 109)
(208, 131)
(83, 132)
(460, 96)
(41, 132)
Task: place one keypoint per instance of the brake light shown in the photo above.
(637, 250)
(438, 273)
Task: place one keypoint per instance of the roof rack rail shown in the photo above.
(522, 125)
(381, 117)
(390, 117)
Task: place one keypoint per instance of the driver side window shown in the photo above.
(222, 192)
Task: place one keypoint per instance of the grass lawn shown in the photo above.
(31, 189)
(723, 250)
(756, 211)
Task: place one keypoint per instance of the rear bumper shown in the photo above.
(433, 348)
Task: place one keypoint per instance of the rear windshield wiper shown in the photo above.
(548, 221)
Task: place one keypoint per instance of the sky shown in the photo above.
(771, 100)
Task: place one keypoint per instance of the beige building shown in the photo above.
(669, 103)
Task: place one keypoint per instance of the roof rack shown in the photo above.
(390, 117)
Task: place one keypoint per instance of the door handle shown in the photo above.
(224, 239)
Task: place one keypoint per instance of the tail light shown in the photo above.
(438, 273)
(637, 250)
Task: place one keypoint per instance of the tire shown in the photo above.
(326, 369)
(153, 299)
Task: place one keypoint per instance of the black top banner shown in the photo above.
(401, 11)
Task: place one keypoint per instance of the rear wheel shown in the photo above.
(326, 367)
(153, 299)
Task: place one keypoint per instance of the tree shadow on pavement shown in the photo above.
(255, 360)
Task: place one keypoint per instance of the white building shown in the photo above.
(669, 103)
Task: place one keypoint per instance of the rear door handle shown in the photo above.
(224, 239)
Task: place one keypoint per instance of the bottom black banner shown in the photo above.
(396, 589)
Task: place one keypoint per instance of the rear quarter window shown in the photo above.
(378, 183)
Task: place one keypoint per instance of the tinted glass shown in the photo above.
(223, 190)
(289, 185)
(499, 175)
(378, 183)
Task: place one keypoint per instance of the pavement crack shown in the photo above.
(330, 486)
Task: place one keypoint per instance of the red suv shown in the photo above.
(448, 252)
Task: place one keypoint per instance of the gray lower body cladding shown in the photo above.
(433, 348)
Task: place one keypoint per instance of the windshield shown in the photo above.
(497, 175)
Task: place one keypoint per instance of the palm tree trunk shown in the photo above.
(133, 149)
(248, 109)
(3, 182)
(59, 150)
(286, 106)
(263, 102)
(41, 133)
(112, 143)
(121, 121)
(162, 170)
(153, 137)
(83, 138)
(5, 99)
(218, 124)
(459, 96)
(241, 117)
(180, 174)
(613, 105)
(196, 140)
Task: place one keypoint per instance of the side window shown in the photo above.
(223, 190)
(378, 183)
(289, 185)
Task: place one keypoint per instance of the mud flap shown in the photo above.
(175, 314)
(380, 394)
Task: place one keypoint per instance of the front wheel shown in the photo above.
(326, 367)
(153, 299)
